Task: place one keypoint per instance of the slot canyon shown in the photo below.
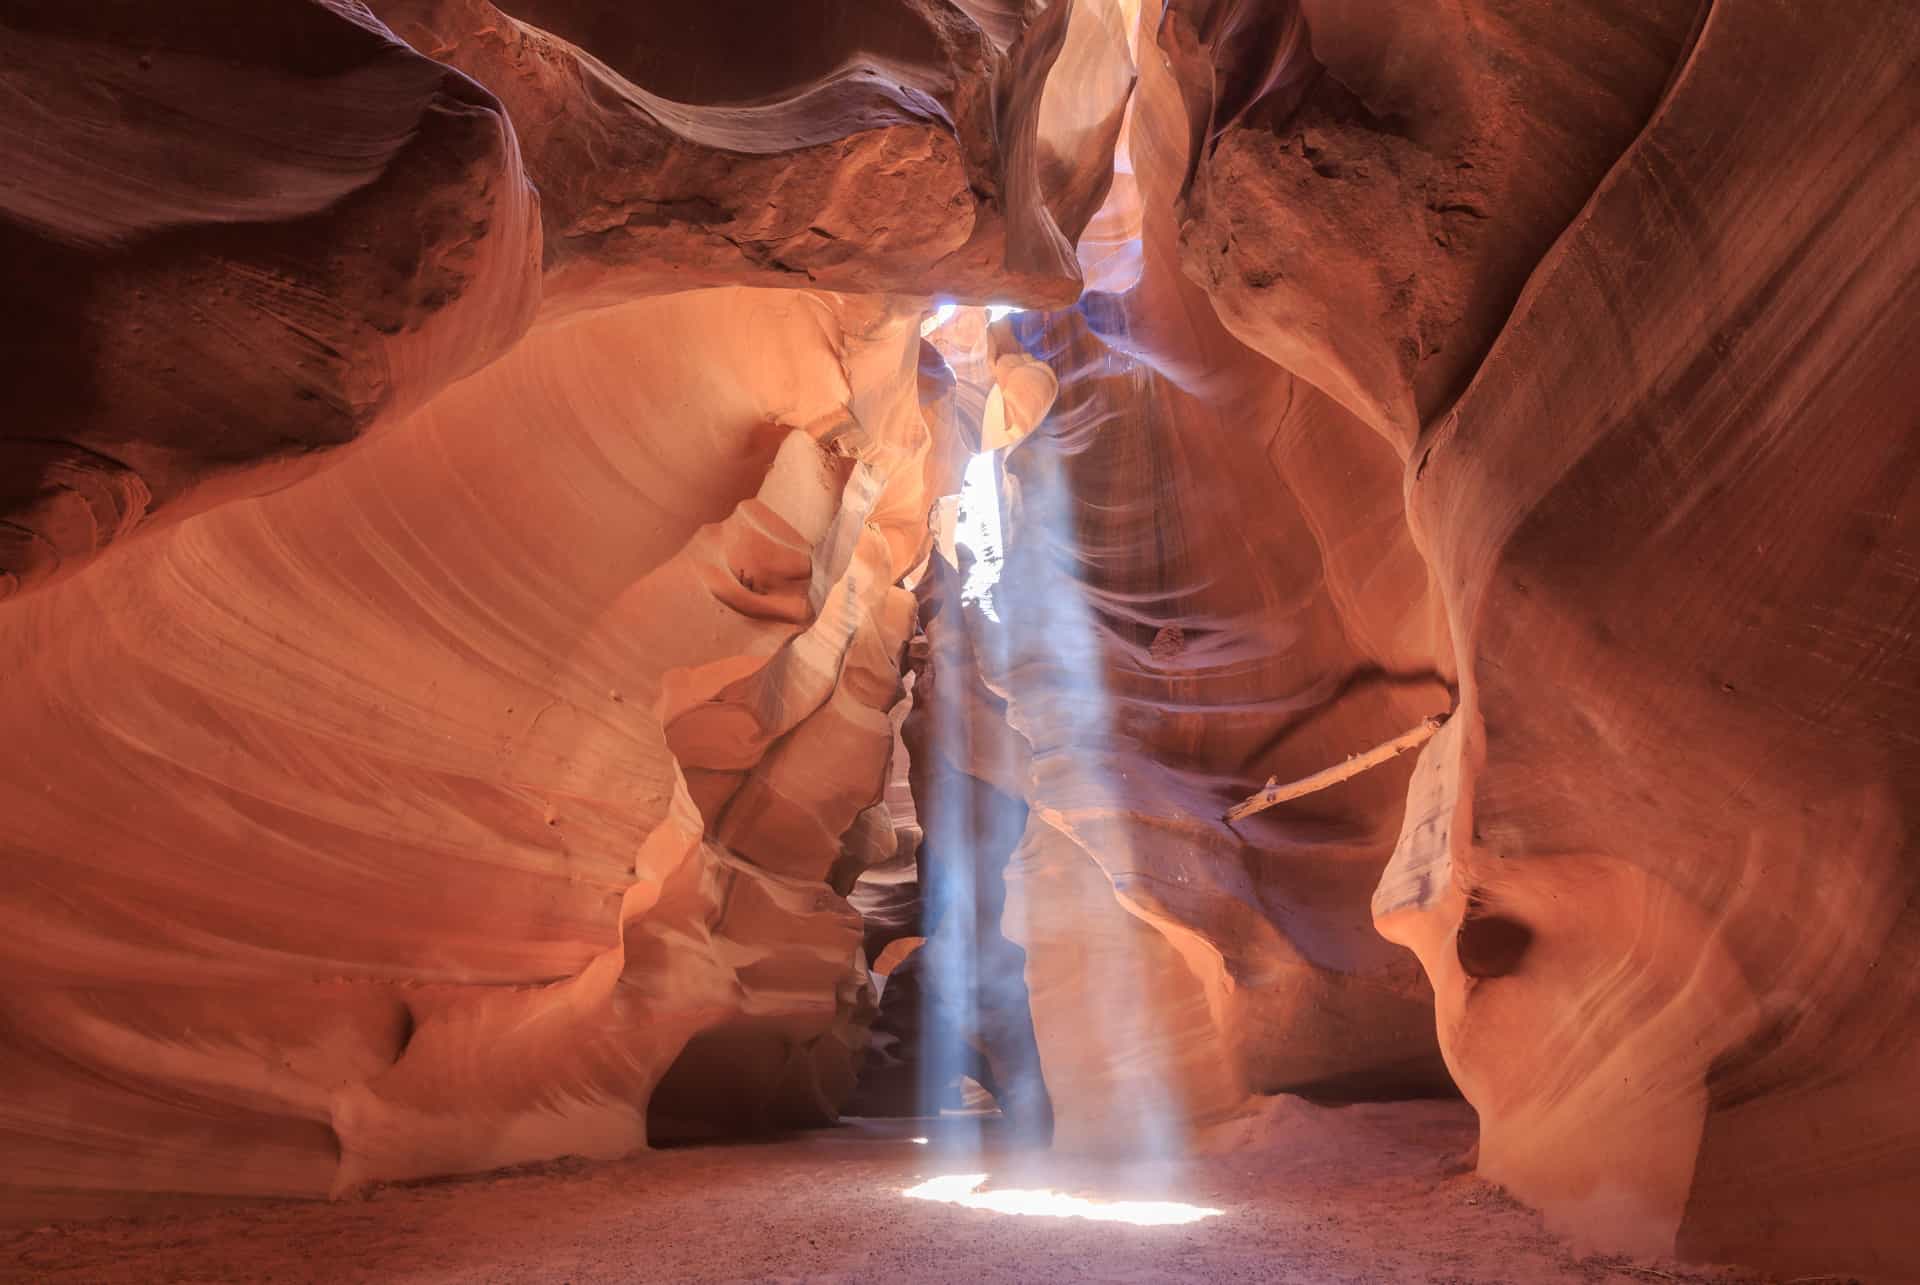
(960, 640)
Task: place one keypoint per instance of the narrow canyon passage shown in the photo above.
(960, 640)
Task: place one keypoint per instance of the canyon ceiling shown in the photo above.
(482, 680)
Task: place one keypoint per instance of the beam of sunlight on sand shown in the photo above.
(1053, 626)
(1027, 608)
(963, 1189)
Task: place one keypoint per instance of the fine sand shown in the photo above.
(1377, 1193)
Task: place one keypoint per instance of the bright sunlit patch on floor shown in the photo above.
(963, 1189)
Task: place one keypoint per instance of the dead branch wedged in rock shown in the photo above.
(1274, 793)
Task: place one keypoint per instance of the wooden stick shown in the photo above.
(1273, 792)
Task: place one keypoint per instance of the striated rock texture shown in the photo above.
(1208, 580)
(894, 146)
(245, 241)
(490, 791)
(1728, 786)
(1141, 689)
(437, 863)
(231, 242)
(1371, 188)
(476, 476)
(1635, 325)
(1255, 643)
(1587, 419)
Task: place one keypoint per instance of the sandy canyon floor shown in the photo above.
(1376, 1193)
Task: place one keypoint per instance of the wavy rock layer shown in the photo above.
(232, 243)
(436, 864)
(1572, 292)
(493, 793)
(1224, 963)
(246, 242)
(465, 465)
(1660, 867)
(1742, 960)
(1208, 580)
